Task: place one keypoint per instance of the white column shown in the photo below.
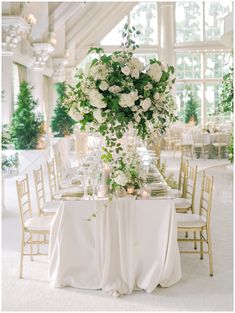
(7, 87)
(167, 32)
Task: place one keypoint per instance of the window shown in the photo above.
(215, 11)
(217, 64)
(188, 65)
(188, 21)
(145, 57)
(212, 93)
(144, 18)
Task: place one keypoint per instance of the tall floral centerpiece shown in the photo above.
(117, 91)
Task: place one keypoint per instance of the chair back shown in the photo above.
(157, 149)
(206, 196)
(190, 188)
(24, 199)
(52, 177)
(59, 168)
(39, 187)
(183, 176)
(202, 138)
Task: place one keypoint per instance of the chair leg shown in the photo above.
(195, 243)
(210, 252)
(31, 247)
(21, 255)
(201, 246)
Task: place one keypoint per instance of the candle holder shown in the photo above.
(145, 192)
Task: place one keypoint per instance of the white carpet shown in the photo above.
(195, 292)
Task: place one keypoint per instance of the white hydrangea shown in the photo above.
(99, 71)
(96, 99)
(128, 99)
(77, 116)
(155, 71)
(115, 89)
(126, 70)
(103, 86)
(120, 178)
(146, 104)
(98, 116)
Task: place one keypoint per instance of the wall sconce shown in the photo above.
(31, 20)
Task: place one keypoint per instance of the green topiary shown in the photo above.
(26, 127)
(61, 123)
(191, 109)
(226, 97)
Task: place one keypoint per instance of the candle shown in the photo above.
(145, 193)
(130, 190)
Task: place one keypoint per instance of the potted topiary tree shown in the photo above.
(191, 109)
(61, 123)
(26, 127)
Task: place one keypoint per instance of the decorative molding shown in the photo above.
(42, 52)
(59, 68)
(13, 29)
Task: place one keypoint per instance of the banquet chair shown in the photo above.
(186, 203)
(199, 223)
(30, 226)
(53, 186)
(220, 142)
(201, 142)
(157, 149)
(180, 192)
(44, 207)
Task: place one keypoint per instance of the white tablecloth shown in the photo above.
(129, 244)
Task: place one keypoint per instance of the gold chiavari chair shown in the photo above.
(181, 191)
(201, 144)
(199, 223)
(44, 207)
(30, 226)
(156, 146)
(186, 203)
(53, 186)
(220, 143)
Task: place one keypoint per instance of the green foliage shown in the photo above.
(6, 137)
(230, 148)
(226, 97)
(26, 127)
(191, 109)
(10, 163)
(61, 123)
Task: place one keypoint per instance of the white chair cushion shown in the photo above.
(176, 192)
(39, 223)
(182, 203)
(51, 206)
(190, 220)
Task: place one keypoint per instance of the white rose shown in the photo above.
(115, 89)
(148, 86)
(126, 70)
(162, 97)
(103, 86)
(135, 74)
(128, 99)
(156, 96)
(134, 108)
(155, 71)
(77, 116)
(98, 116)
(120, 178)
(99, 71)
(96, 99)
(135, 63)
(146, 104)
(137, 117)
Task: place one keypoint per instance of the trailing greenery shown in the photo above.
(226, 97)
(26, 127)
(61, 124)
(191, 109)
(230, 148)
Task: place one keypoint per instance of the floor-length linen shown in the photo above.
(129, 244)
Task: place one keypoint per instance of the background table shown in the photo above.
(129, 244)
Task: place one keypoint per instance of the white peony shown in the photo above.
(126, 70)
(135, 63)
(128, 99)
(103, 86)
(96, 99)
(115, 89)
(77, 116)
(135, 74)
(155, 71)
(146, 104)
(98, 116)
(120, 178)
